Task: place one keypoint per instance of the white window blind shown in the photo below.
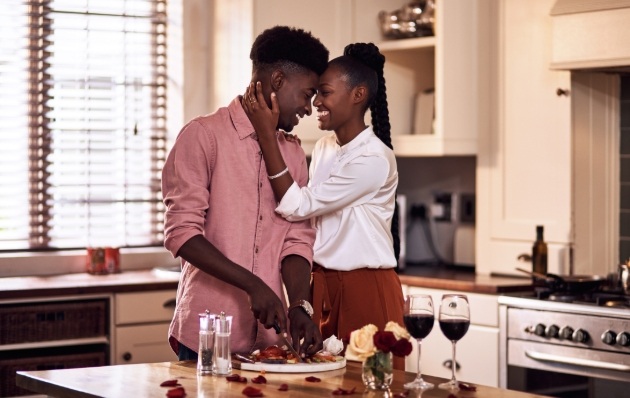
(82, 123)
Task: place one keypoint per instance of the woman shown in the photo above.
(351, 195)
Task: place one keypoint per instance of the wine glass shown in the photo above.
(419, 319)
(454, 321)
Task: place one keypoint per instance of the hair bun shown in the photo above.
(366, 53)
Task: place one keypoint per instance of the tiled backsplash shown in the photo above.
(624, 172)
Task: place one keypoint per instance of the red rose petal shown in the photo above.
(252, 392)
(341, 391)
(178, 392)
(312, 379)
(236, 378)
(403, 394)
(259, 380)
(451, 396)
(283, 387)
(169, 383)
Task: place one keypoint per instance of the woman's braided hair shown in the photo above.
(363, 63)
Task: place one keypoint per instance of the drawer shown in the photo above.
(143, 344)
(144, 307)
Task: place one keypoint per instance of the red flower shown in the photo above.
(402, 348)
(384, 341)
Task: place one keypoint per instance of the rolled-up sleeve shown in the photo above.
(186, 184)
(301, 236)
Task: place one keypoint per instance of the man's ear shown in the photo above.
(277, 79)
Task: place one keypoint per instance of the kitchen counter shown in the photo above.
(143, 380)
(84, 283)
(437, 277)
(461, 279)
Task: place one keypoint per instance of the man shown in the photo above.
(236, 252)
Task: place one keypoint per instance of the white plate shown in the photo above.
(294, 367)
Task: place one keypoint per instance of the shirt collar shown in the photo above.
(357, 141)
(242, 125)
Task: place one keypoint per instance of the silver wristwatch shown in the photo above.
(305, 305)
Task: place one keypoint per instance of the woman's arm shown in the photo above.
(265, 121)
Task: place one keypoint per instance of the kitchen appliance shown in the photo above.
(564, 343)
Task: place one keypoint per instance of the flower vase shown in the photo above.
(377, 372)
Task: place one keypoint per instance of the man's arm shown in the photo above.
(296, 274)
(264, 303)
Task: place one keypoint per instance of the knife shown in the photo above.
(287, 342)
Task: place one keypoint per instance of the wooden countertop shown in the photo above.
(461, 279)
(143, 380)
(84, 283)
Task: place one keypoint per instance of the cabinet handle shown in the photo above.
(526, 258)
(448, 364)
(562, 92)
(170, 303)
(127, 356)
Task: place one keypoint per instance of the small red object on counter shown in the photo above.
(260, 379)
(341, 391)
(102, 260)
(283, 387)
(312, 379)
(177, 392)
(169, 383)
(252, 392)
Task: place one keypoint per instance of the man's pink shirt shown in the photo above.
(214, 183)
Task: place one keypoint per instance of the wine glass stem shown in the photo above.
(453, 366)
(419, 375)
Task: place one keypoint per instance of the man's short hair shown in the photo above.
(282, 44)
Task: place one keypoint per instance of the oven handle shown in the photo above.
(539, 356)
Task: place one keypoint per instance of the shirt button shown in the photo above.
(260, 218)
(256, 249)
(261, 184)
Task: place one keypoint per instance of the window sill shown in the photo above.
(73, 261)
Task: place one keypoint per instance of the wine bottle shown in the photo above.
(539, 252)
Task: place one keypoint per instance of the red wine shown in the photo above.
(454, 329)
(419, 325)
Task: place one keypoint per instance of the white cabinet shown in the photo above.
(453, 63)
(477, 353)
(524, 160)
(141, 327)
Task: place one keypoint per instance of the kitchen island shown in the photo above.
(143, 380)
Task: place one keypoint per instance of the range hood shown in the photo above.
(591, 35)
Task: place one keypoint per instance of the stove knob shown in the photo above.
(623, 339)
(609, 337)
(566, 333)
(540, 330)
(552, 331)
(580, 336)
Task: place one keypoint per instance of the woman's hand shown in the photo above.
(263, 119)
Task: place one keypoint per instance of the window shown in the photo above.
(82, 123)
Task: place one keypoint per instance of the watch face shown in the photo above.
(307, 307)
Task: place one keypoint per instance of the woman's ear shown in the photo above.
(359, 94)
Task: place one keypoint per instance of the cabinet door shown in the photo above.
(144, 307)
(477, 355)
(524, 165)
(143, 344)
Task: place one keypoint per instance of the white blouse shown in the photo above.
(350, 199)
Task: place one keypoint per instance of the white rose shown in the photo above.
(399, 331)
(333, 345)
(361, 344)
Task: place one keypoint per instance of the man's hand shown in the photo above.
(303, 328)
(267, 307)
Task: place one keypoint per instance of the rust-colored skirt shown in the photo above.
(344, 301)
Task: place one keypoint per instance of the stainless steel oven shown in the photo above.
(566, 346)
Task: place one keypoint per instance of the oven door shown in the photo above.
(566, 371)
